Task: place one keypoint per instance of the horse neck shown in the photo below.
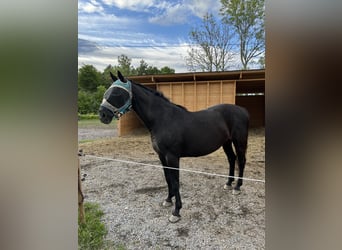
(147, 106)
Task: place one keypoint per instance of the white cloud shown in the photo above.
(168, 12)
(179, 13)
(200, 8)
(104, 21)
(158, 56)
(107, 28)
(175, 14)
(90, 7)
(135, 5)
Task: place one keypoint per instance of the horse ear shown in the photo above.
(114, 78)
(121, 77)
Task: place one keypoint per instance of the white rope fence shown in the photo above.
(178, 169)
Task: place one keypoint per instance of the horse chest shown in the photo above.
(155, 144)
(165, 142)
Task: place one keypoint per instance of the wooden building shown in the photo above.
(197, 91)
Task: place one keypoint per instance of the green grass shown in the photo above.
(87, 140)
(91, 234)
(88, 116)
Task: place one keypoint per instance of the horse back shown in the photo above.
(202, 132)
(235, 117)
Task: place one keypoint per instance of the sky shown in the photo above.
(153, 30)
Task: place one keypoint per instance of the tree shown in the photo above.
(166, 70)
(152, 70)
(247, 18)
(145, 69)
(106, 78)
(261, 62)
(141, 70)
(211, 47)
(89, 78)
(124, 65)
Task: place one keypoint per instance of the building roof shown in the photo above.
(247, 81)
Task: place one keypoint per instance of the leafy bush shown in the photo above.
(89, 78)
(89, 102)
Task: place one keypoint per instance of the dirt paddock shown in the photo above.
(212, 218)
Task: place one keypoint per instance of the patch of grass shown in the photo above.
(88, 116)
(92, 233)
(120, 247)
(87, 140)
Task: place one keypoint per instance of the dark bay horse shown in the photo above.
(177, 132)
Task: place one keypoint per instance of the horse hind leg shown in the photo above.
(241, 149)
(228, 149)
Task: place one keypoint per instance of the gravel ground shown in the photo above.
(95, 133)
(212, 218)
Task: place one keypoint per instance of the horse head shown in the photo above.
(117, 100)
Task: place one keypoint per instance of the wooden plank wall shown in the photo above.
(194, 95)
(128, 122)
(199, 95)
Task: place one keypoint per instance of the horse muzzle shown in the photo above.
(105, 115)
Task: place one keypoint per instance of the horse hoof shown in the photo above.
(236, 191)
(167, 204)
(174, 219)
(227, 187)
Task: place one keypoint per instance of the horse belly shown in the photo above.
(203, 144)
(200, 150)
(205, 135)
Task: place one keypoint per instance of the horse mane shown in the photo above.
(159, 94)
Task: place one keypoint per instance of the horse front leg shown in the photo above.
(174, 179)
(168, 201)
